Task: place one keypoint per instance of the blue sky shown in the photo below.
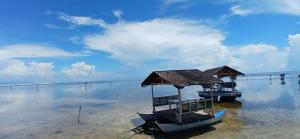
(67, 40)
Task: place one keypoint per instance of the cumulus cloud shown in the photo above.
(31, 51)
(261, 57)
(80, 70)
(244, 7)
(181, 43)
(13, 68)
(172, 40)
(18, 70)
(294, 51)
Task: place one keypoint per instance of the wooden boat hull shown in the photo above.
(147, 117)
(174, 127)
(226, 96)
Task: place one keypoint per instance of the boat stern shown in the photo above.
(220, 113)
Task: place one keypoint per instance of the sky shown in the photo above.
(85, 40)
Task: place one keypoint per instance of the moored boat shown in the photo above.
(174, 127)
(226, 91)
(181, 114)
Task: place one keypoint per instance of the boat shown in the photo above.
(172, 113)
(226, 91)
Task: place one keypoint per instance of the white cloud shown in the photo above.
(118, 13)
(237, 10)
(294, 51)
(18, 70)
(15, 69)
(31, 51)
(82, 20)
(181, 43)
(291, 7)
(261, 57)
(169, 2)
(42, 69)
(173, 40)
(80, 70)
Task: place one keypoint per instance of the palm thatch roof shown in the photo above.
(223, 71)
(179, 78)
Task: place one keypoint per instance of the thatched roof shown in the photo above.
(223, 71)
(180, 78)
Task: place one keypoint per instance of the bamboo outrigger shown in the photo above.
(226, 90)
(187, 114)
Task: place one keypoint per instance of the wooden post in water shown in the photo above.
(180, 106)
(299, 81)
(282, 78)
(85, 85)
(78, 121)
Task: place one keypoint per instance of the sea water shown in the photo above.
(267, 109)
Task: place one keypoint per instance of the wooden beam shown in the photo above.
(212, 101)
(180, 106)
(152, 99)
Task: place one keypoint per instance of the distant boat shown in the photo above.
(181, 114)
(225, 90)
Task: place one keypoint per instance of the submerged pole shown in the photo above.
(282, 78)
(180, 106)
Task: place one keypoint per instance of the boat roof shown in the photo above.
(179, 78)
(224, 71)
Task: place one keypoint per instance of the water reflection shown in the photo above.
(260, 94)
(109, 110)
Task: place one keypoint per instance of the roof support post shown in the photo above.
(180, 106)
(231, 77)
(152, 99)
(212, 101)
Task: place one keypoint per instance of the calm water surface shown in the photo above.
(267, 109)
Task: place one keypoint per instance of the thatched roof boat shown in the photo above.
(179, 78)
(187, 114)
(224, 71)
(226, 90)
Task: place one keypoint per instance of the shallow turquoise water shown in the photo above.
(267, 109)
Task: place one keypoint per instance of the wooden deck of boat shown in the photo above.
(168, 116)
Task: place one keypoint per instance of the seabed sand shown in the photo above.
(118, 119)
(44, 114)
